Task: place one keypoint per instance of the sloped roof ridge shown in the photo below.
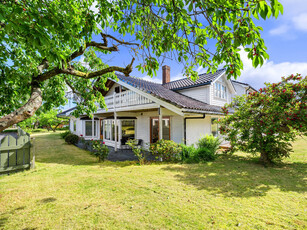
(202, 74)
(139, 78)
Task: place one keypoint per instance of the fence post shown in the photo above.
(33, 157)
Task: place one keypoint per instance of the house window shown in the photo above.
(119, 89)
(113, 130)
(107, 129)
(154, 127)
(75, 126)
(128, 129)
(88, 128)
(214, 127)
(220, 91)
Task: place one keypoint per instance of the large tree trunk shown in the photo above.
(24, 112)
(264, 158)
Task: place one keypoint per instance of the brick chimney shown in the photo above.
(166, 74)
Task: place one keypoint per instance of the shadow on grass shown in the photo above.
(237, 176)
(4, 216)
(48, 200)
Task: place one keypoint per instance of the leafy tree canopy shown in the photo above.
(42, 40)
(267, 121)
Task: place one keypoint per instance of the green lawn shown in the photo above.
(70, 190)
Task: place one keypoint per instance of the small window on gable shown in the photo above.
(117, 89)
(220, 90)
(75, 126)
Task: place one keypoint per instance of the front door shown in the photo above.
(154, 129)
(101, 129)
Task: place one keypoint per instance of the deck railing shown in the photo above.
(125, 99)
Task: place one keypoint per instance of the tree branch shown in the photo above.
(119, 41)
(72, 88)
(24, 112)
(90, 75)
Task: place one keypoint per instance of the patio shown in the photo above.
(119, 155)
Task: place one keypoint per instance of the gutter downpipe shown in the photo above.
(185, 125)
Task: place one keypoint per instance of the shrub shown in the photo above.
(207, 147)
(101, 151)
(137, 150)
(167, 150)
(63, 128)
(204, 154)
(188, 154)
(72, 139)
(269, 120)
(63, 135)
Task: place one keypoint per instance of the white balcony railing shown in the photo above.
(125, 99)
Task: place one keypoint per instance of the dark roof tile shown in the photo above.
(204, 79)
(170, 96)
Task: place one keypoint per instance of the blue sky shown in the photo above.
(285, 38)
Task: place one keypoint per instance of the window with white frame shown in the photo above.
(220, 90)
(214, 127)
(89, 128)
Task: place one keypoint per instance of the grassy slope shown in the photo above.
(69, 190)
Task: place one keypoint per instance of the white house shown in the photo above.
(181, 110)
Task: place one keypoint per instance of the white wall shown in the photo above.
(177, 129)
(143, 125)
(201, 93)
(195, 128)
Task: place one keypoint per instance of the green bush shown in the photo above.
(207, 147)
(101, 150)
(167, 150)
(63, 135)
(203, 154)
(63, 128)
(72, 139)
(189, 154)
(38, 130)
(138, 151)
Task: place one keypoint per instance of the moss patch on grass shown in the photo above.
(70, 190)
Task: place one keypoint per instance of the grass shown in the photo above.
(70, 190)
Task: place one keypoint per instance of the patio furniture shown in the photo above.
(123, 144)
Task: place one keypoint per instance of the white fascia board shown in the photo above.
(129, 108)
(199, 111)
(153, 98)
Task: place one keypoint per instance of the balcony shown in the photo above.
(126, 99)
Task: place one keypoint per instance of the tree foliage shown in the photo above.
(42, 41)
(47, 119)
(267, 121)
(50, 120)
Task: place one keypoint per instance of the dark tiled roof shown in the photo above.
(167, 95)
(63, 113)
(204, 79)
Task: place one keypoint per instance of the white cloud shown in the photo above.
(300, 22)
(152, 79)
(269, 72)
(280, 30)
(294, 18)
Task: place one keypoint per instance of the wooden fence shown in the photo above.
(15, 153)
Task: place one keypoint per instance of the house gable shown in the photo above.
(201, 93)
(230, 91)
